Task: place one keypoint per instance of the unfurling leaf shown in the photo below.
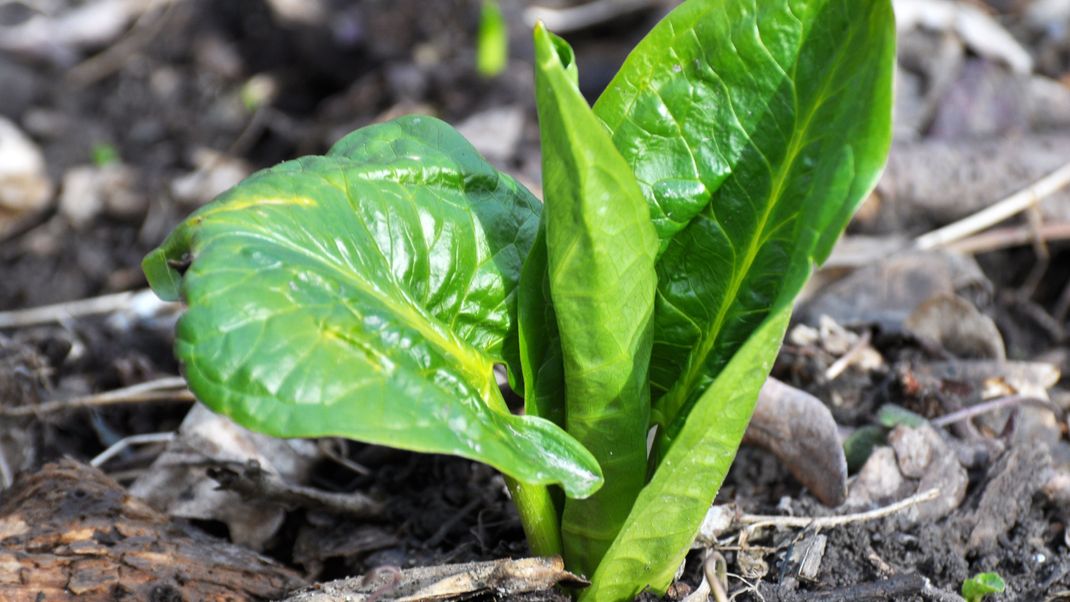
(600, 264)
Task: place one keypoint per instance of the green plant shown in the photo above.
(492, 40)
(370, 292)
(980, 585)
(104, 154)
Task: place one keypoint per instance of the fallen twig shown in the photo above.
(172, 388)
(715, 572)
(991, 215)
(58, 312)
(254, 482)
(146, 29)
(841, 364)
(119, 446)
(565, 20)
(757, 521)
(998, 239)
(987, 406)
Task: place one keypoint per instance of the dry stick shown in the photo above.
(172, 388)
(715, 572)
(985, 407)
(756, 521)
(47, 314)
(998, 239)
(996, 213)
(564, 20)
(119, 446)
(841, 364)
(111, 59)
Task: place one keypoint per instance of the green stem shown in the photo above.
(538, 514)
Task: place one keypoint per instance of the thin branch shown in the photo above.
(573, 18)
(146, 28)
(985, 407)
(120, 446)
(715, 573)
(172, 388)
(755, 521)
(998, 239)
(841, 364)
(989, 216)
(58, 312)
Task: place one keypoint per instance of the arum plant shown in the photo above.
(369, 293)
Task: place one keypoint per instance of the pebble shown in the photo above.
(914, 448)
(24, 184)
(495, 133)
(878, 481)
(89, 191)
(214, 174)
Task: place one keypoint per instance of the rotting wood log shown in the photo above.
(68, 532)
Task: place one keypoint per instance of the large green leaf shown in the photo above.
(670, 509)
(600, 247)
(368, 294)
(754, 128)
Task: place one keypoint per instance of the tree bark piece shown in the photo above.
(68, 532)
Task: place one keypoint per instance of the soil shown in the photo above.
(179, 90)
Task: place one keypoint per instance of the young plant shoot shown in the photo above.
(370, 292)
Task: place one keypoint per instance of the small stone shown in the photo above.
(496, 132)
(914, 448)
(879, 479)
(24, 183)
(89, 191)
(214, 174)
(922, 451)
(946, 474)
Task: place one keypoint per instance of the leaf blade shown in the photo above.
(775, 118)
(368, 294)
(669, 511)
(600, 259)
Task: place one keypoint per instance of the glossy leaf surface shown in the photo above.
(754, 128)
(368, 294)
(670, 509)
(601, 247)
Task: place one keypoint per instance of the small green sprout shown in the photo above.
(492, 51)
(982, 584)
(104, 154)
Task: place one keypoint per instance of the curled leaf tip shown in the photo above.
(164, 279)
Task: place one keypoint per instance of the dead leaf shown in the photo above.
(447, 582)
(177, 483)
(799, 430)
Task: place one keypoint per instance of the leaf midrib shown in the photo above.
(675, 399)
